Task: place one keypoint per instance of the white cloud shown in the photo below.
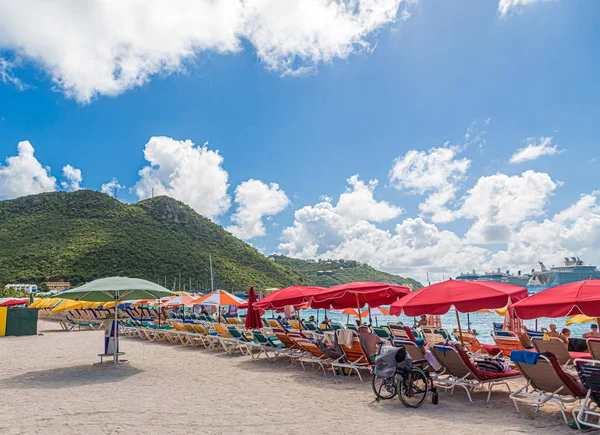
(413, 247)
(192, 174)
(73, 178)
(23, 174)
(256, 200)
(437, 171)
(358, 202)
(574, 231)
(111, 187)
(499, 203)
(535, 149)
(7, 75)
(506, 7)
(105, 47)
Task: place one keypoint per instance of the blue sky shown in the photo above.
(423, 82)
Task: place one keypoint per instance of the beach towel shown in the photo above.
(345, 337)
(524, 356)
(495, 365)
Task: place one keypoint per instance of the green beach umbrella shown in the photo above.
(117, 289)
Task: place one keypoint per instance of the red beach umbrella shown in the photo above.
(358, 294)
(465, 296)
(295, 295)
(253, 316)
(582, 297)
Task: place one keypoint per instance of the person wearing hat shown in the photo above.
(593, 331)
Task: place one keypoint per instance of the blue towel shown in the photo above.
(524, 356)
(420, 341)
(441, 348)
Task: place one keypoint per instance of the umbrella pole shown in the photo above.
(358, 308)
(116, 333)
(459, 330)
(468, 322)
(370, 320)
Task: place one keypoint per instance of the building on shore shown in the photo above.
(58, 285)
(27, 288)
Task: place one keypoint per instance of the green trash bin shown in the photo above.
(21, 321)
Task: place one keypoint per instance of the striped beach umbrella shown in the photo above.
(218, 298)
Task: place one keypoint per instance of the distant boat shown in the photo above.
(497, 276)
(573, 270)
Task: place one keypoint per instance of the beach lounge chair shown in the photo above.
(273, 323)
(593, 344)
(294, 324)
(229, 343)
(474, 346)
(459, 371)
(314, 355)
(546, 382)
(402, 332)
(269, 345)
(246, 345)
(558, 348)
(288, 340)
(352, 327)
(588, 416)
(433, 336)
(383, 332)
(354, 356)
(312, 327)
(507, 341)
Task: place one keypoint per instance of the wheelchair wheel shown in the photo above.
(413, 391)
(384, 388)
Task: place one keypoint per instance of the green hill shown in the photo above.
(84, 235)
(326, 273)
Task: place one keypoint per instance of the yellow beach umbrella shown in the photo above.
(49, 302)
(35, 303)
(67, 305)
(580, 318)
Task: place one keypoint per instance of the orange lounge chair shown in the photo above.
(354, 356)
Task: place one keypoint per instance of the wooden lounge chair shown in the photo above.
(558, 348)
(507, 341)
(459, 371)
(354, 357)
(546, 382)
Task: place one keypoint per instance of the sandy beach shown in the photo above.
(50, 386)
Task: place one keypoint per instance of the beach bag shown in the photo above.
(387, 360)
(432, 360)
(494, 365)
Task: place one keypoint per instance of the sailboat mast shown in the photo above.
(211, 273)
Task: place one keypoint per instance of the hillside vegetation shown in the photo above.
(326, 273)
(84, 235)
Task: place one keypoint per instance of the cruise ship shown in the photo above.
(497, 276)
(573, 270)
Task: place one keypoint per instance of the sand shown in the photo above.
(49, 385)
